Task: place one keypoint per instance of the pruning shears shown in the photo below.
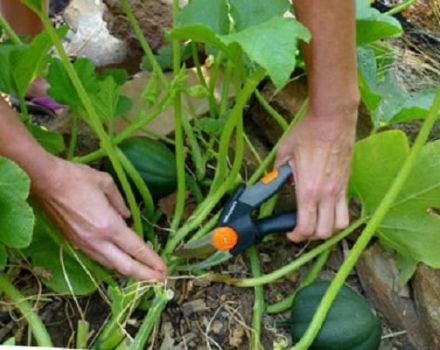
(237, 229)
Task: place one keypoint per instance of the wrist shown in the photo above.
(344, 107)
(44, 175)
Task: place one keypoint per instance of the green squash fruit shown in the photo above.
(351, 324)
(154, 161)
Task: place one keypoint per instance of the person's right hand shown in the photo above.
(90, 211)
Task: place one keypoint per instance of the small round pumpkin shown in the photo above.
(351, 324)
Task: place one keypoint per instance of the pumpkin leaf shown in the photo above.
(58, 268)
(386, 100)
(212, 14)
(16, 216)
(3, 256)
(412, 226)
(52, 142)
(62, 89)
(247, 13)
(28, 62)
(272, 45)
(372, 25)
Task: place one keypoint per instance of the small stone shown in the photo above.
(217, 327)
(89, 35)
(427, 294)
(194, 306)
(379, 278)
(236, 337)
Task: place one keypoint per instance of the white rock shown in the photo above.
(89, 35)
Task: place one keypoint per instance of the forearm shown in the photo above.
(18, 145)
(20, 18)
(330, 57)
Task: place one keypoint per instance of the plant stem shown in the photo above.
(92, 115)
(126, 132)
(159, 303)
(36, 325)
(365, 237)
(271, 111)
(205, 208)
(225, 88)
(82, 334)
(9, 31)
(73, 136)
(195, 57)
(399, 8)
(312, 274)
(178, 135)
(293, 265)
(23, 107)
(141, 38)
(196, 153)
(259, 304)
(139, 183)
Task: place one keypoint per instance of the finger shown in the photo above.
(97, 257)
(132, 244)
(307, 215)
(114, 196)
(326, 218)
(342, 218)
(127, 266)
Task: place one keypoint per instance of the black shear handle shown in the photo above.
(278, 223)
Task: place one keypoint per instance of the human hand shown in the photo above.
(90, 211)
(319, 150)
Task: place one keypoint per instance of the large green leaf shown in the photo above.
(106, 100)
(412, 226)
(61, 87)
(3, 256)
(27, 63)
(210, 13)
(247, 13)
(52, 142)
(386, 100)
(16, 216)
(7, 84)
(51, 258)
(371, 25)
(271, 44)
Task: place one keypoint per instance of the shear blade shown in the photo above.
(200, 248)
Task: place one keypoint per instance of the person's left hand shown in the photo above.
(319, 150)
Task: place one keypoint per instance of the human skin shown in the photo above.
(83, 202)
(319, 148)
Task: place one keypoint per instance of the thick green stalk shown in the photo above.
(195, 57)
(9, 31)
(205, 208)
(82, 334)
(271, 111)
(141, 38)
(196, 153)
(127, 132)
(140, 185)
(92, 115)
(178, 135)
(292, 266)
(401, 7)
(259, 304)
(225, 88)
(310, 277)
(369, 231)
(37, 326)
(154, 312)
(213, 108)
